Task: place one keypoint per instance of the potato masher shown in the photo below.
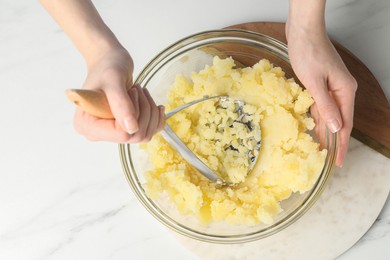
(95, 103)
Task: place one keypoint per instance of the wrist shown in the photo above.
(83, 24)
(111, 55)
(99, 42)
(306, 17)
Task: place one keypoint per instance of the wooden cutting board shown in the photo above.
(372, 110)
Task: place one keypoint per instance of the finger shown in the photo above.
(327, 107)
(154, 117)
(320, 127)
(343, 142)
(98, 129)
(162, 118)
(122, 108)
(346, 104)
(344, 136)
(144, 117)
(133, 93)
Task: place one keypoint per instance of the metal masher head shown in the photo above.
(238, 133)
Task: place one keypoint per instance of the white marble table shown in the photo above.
(63, 197)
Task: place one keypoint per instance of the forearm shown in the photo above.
(83, 24)
(306, 16)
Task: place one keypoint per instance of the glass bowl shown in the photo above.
(192, 54)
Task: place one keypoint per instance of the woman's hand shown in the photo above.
(137, 118)
(110, 68)
(320, 69)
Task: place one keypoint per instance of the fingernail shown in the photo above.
(129, 124)
(162, 109)
(333, 125)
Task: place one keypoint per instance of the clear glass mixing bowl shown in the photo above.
(192, 54)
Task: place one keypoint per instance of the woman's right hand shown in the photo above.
(110, 68)
(136, 116)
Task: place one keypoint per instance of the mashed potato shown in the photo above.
(289, 159)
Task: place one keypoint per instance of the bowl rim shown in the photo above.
(157, 213)
(188, 43)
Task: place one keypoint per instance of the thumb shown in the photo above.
(327, 107)
(123, 109)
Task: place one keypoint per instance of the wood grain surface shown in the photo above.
(372, 110)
